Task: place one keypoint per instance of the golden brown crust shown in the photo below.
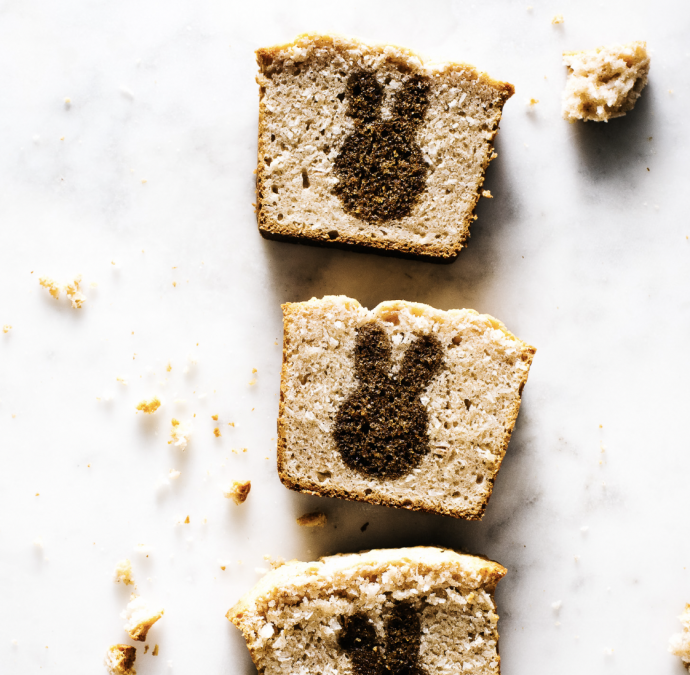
(272, 229)
(316, 489)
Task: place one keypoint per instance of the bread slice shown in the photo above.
(403, 405)
(372, 148)
(604, 83)
(418, 611)
(119, 660)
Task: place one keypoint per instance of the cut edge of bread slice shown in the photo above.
(438, 253)
(382, 311)
(296, 582)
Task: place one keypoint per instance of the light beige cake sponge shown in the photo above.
(372, 148)
(403, 405)
(428, 609)
(604, 83)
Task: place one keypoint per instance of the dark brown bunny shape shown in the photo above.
(380, 166)
(381, 429)
(402, 642)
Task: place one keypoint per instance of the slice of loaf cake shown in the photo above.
(403, 405)
(370, 147)
(604, 83)
(412, 611)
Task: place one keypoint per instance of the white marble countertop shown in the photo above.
(145, 180)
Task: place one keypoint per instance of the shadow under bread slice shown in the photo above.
(370, 147)
(417, 611)
(403, 405)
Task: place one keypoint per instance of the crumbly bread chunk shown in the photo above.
(52, 286)
(119, 660)
(140, 617)
(123, 572)
(179, 433)
(238, 491)
(604, 83)
(680, 642)
(302, 617)
(316, 519)
(149, 407)
(311, 115)
(468, 408)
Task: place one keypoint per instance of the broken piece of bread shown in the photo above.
(238, 491)
(403, 405)
(149, 407)
(680, 642)
(123, 572)
(369, 147)
(411, 610)
(140, 618)
(119, 660)
(316, 519)
(604, 83)
(179, 434)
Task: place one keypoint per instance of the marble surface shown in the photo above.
(145, 181)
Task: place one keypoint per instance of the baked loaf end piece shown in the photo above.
(403, 405)
(604, 83)
(370, 147)
(419, 610)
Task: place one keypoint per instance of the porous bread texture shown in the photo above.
(679, 643)
(292, 618)
(472, 403)
(604, 83)
(119, 660)
(123, 572)
(303, 124)
(140, 617)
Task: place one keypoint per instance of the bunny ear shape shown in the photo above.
(421, 362)
(412, 100)
(372, 352)
(364, 95)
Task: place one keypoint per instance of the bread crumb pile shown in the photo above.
(604, 83)
(140, 617)
(119, 660)
(293, 617)
(149, 407)
(71, 288)
(679, 643)
(316, 519)
(123, 572)
(238, 491)
(179, 435)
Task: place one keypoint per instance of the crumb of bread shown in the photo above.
(6, 328)
(214, 417)
(186, 520)
(252, 381)
(155, 651)
(680, 642)
(216, 432)
(51, 285)
(238, 491)
(74, 294)
(149, 407)
(174, 474)
(604, 83)
(123, 572)
(168, 368)
(119, 660)
(557, 19)
(122, 380)
(532, 102)
(316, 519)
(487, 194)
(146, 649)
(254, 370)
(140, 618)
(179, 434)
(143, 548)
